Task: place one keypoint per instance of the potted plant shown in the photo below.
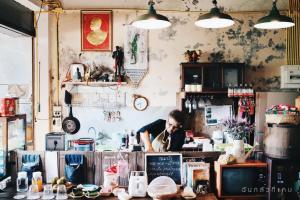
(238, 132)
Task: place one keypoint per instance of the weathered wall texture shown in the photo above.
(262, 51)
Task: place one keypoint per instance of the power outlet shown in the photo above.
(56, 116)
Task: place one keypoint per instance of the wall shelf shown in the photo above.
(95, 84)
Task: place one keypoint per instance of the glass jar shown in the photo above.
(37, 180)
(196, 84)
(22, 182)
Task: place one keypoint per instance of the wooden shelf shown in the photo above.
(207, 92)
(183, 94)
(95, 84)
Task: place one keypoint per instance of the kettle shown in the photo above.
(138, 184)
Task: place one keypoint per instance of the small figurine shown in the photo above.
(118, 55)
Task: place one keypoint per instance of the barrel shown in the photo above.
(282, 141)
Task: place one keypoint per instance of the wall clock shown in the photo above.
(140, 103)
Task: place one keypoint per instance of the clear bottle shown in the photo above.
(38, 180)
(131, 141)
(235, 91)
(240, 90)
(22, 182)
(195, 83)
(245, 91)
(280, 186)
(251, 91)
(296, 186)
(230, 91)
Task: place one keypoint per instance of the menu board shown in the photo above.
(166, 164)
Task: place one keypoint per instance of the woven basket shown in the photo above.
(282, 119)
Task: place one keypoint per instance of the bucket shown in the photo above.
(282, 141)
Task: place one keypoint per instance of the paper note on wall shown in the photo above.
(217, 114)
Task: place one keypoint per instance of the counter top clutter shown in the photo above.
(152, 176)
(162, 188)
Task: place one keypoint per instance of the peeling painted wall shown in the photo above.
(262, 51)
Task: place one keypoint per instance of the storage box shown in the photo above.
(7, 107)
(282, 119)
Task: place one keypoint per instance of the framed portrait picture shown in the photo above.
(96, 30)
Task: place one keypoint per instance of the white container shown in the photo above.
(194, 88)
(110, 180)
(187, 87)
(199, 88)
(238, 151)
(137, 184)
(22, 182)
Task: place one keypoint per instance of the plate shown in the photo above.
(75, 197)
(20, 196)
(92, 197)
(34, 197)
(48, 197)
(88, 187)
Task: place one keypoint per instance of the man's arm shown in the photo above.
(145, 136)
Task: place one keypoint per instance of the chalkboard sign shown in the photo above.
(169, 164)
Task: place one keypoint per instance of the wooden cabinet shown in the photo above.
(212, 76)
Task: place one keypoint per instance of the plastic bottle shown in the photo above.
(230, 91)
(38, 180)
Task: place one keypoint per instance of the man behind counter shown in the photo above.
(166, 135)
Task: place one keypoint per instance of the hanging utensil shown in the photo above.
(70, 124)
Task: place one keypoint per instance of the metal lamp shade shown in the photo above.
(151, 20)
(214, 19)
(274, 20)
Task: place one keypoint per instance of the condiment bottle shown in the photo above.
(22, 182)
(38, 180)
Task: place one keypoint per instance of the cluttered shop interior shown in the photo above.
(150, 99)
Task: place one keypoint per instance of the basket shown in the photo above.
(282, 119)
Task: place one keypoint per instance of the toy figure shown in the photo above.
(118, 55)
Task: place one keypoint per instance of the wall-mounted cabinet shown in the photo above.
(213, 77)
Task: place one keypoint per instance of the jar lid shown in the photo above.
(36, 175)
(22, 174)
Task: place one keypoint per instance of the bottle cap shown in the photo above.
(22, 174)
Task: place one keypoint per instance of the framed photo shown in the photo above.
(96, 30)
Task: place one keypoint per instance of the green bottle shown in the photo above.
(296, 186)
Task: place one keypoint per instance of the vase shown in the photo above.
(238, 150)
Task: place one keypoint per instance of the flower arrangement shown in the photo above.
(238, 130)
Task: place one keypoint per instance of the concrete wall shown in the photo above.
(263, 51)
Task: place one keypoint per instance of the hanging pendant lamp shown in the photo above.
(151, 20)
(274, 20)
(214, 19)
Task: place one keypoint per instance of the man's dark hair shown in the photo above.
(178, 116)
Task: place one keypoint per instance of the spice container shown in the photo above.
(37, 180)
(22, 182)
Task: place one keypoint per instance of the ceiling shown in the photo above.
(176, 5)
